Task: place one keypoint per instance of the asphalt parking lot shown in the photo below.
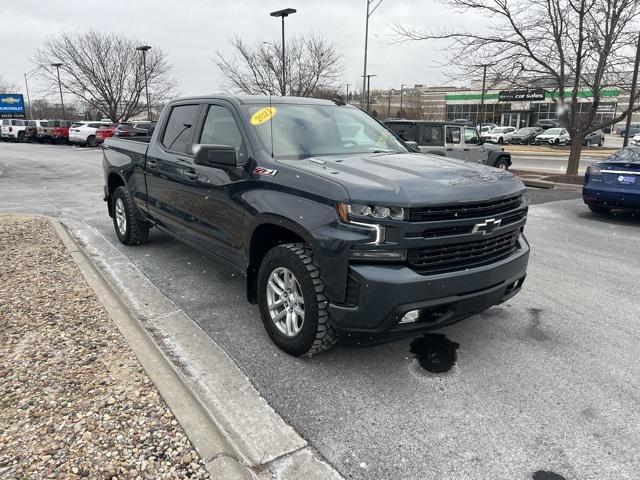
(545, 382)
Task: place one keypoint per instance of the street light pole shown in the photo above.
(367, 82)
(484, 80)
(144, 49)
(389, 105)
(366, 45)
(58, 65)
(26, 84)
(283, 14)
(348, 93)
(401, 94)
(632, 94)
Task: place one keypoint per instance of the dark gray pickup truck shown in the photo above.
(339, 229)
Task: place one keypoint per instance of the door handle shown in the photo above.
(449, 149)
(467, 150)
(152, 164)
(190, 174)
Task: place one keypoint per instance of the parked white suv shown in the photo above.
(84, 133)
(554, 136)
(13, 129)
(499, 135)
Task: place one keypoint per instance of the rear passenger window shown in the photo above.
(431, 136)
(220, 128)
(179, 131)
(453, 134)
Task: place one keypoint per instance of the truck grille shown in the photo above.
(439, 258)
(470, 210)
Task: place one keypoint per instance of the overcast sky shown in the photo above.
(191, 30)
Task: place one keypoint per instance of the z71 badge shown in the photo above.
(269, 172)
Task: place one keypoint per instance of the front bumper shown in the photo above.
(387, 293)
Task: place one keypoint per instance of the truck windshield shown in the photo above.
(301, 131)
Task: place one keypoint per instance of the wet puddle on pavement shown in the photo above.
(547, 475)
(435, 353)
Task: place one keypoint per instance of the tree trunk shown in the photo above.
(574, 154)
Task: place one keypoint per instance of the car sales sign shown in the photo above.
(11, 105)
(521, 95)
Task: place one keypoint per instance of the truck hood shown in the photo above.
(411, 178)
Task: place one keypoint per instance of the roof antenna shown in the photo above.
(271, 122)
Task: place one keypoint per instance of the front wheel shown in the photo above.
(292, 302)
(588, 143)
(502, 164)
(129, 228)
(500, 141)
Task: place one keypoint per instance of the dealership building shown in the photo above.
(517, 108)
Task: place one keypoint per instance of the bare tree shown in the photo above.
(569, 44)
(419, 107)
(7, 87)
(106, 71)
(312, 65)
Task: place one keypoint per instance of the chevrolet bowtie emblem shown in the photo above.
(487, 226)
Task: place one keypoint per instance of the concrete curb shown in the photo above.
(568, 187)
(210, 443)
(231, 426)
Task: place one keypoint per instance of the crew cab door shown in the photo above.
(167, 156)
(215, 211)
(472, 149)
(453, 142)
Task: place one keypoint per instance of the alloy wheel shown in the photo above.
(121, 217)
(285, 301)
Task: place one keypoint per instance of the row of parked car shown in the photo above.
(538, 136)
(87, 133)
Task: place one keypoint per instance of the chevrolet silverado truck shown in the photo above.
(450, 140)
(340, 230)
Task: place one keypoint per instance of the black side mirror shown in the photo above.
(218, 156)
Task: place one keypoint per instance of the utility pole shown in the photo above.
(58, 65)
(632, 94)
(366, 44)
(367, 84)
(348, 93)
(283, 14)
(484, 80)
(26, 84)
(401, 95)
(389, 105)
(144, 49)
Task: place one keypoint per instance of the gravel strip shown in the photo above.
(74, 402)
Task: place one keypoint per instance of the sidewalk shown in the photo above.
(74, 401)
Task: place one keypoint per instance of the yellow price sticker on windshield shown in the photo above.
(263, 115)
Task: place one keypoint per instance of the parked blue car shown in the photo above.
(614, 182)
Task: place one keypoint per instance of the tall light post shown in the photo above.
(283, 14)
(401, 95)
(27, 76)
(144, 49)
(366, 44)
(484, 80)
(389, 104)
(367, 83)
(58, 65)
(348, 84)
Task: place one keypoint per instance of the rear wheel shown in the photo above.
(129, 228)
(292, 302)
(588, 143)
(599, 209)
(601, 142)
(556, 141)
(500, 140)
(91, 141)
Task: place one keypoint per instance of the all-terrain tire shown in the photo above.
(502, 164)
(136, 231)
(317, 333)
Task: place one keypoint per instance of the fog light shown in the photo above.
(411, 316)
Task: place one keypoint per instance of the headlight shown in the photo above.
(356, 210)
(593, 170)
